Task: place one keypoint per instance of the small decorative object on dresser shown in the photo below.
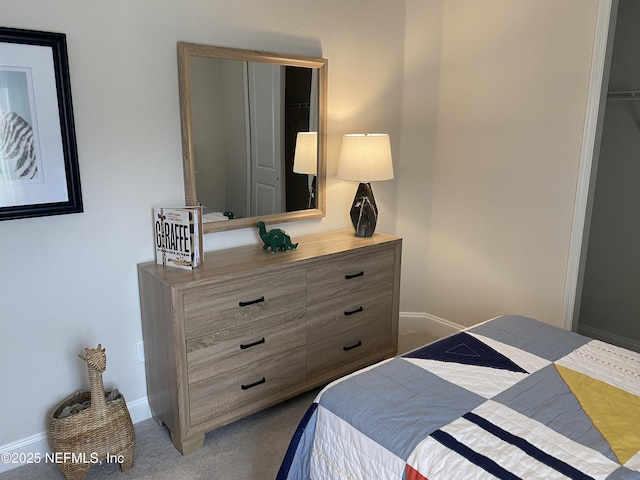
(178, 236)
(91, 427)
(275, 239)
(248, 330)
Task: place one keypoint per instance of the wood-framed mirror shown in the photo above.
(246, 116)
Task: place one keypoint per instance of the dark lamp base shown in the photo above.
(364, 212)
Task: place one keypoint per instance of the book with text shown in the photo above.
(178, 236)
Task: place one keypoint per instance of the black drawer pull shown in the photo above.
(355, 275)
(251, 302)
(251, 385)
(359, 309)
(244, 346)
(351, 347)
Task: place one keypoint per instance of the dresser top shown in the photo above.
(250, 259)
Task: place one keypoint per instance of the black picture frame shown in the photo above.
(39, 172)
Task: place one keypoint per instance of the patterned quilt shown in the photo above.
(511, 398)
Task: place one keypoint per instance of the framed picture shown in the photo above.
(38, 154)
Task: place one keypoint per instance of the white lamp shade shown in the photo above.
(305, 159)
(365, 158)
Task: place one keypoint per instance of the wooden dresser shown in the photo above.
(248, 328)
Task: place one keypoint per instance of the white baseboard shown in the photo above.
(28, 450)
(609, 337)
(139, 410)
(425, 321)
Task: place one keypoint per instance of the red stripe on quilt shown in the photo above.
(413, 474)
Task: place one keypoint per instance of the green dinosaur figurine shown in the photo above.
(275, 239)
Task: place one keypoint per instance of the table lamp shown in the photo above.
(365, 158)
(305, 159)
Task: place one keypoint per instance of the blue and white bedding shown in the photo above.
(510, 398)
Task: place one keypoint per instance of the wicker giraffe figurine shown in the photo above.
(101, 432)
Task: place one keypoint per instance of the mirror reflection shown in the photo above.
(253, 135)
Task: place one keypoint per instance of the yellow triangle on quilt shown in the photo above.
(614, 412)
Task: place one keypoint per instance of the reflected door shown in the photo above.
(266, 118)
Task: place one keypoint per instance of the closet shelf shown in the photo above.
(627, 95)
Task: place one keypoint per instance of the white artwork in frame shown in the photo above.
(38, 155)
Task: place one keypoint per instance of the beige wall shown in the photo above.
(485, 107)
(496, 216)
(416, 159)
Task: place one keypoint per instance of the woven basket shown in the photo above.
(101, 433)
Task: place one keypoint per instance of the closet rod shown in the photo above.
(629, 95)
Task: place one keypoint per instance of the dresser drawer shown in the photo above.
(238, 388)
(344, 329)
(349, 275)
(215, 308)
(240, 345)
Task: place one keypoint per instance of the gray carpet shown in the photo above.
(251, 448)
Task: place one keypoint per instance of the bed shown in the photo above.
(509, 398)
